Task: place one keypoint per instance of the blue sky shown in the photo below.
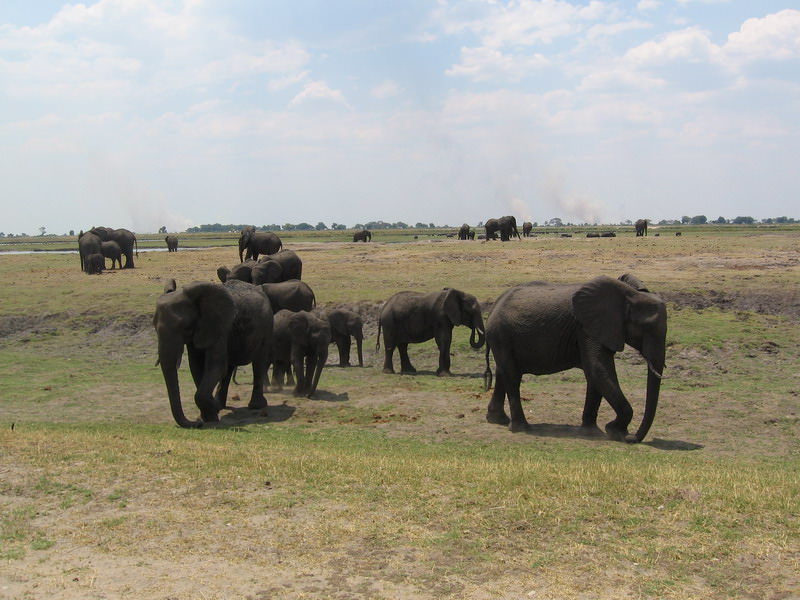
(143, 113)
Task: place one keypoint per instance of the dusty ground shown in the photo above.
(253, 558)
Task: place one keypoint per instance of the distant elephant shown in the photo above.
(240, 272)
(88, 244)
(301, 341)
(506, 226)
(527, 227)
(592, 234)
(255, 243)
(465, 233)
(294, 295)
(172, 243)
(95, 263)
(113, 251)
(125, 238)
(222, 327)
(345, 326)
(365, 235)
(641, 227)
(280, 266)
(543, 328)
(414, 317)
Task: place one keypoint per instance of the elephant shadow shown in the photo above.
(574, 431)
(237, 416)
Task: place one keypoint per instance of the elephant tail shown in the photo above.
(136, 243)
(378, 342)
(487, 374)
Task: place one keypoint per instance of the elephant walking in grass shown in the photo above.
(254, 243)
(505, 226)
(346, 325)
(641, 227)
(543, 328)
(222, 327)
(414, 317)
(300, 343)
(365, 235)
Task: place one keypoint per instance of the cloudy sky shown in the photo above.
(143, 113)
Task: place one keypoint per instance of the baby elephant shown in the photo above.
(346, 324)
(300, 342)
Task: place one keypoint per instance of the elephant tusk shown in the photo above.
(653, 371)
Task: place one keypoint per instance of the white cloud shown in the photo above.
(318, 90)
(775, 37)
(387, 89)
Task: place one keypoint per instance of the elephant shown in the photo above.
(641, 227)
(414, 317)
(273, 268)
(172, 243)
(301, 342)
(345, 326)
(241, 272)
(113, 251)
(527, 227)
(465, 233)
(592, 234)
(125, 238)
(256, 243)
(507, 226)
(95, 263)
(543, 328)
(294, 295)
(88, 244)
(222, 326)
(365, 235)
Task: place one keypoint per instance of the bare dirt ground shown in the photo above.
(238, 552)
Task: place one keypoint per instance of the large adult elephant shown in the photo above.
(294, 295)
(254, 243)
(88, 244)
(172, 243)
(222, 327)
(506, 226)
(464, 232)
(301, 341)
(414, 317)
(641, 227)
(365, 235)
(346, 325)
(544, 328)
(280, 266)
(125, 238)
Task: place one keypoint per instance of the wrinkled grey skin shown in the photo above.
(365, 235)
(88, 243)
(293, 295)
(301, 342)
(414, 317)
(222, 327)
(346, 325)
(544, 328)
(125, 238)
(273, 268)
(255, 243)
(172, 243)
(641, 227)
(95, 264)
(113, 251)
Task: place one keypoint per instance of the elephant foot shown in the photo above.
(616, 433)
(519, 426)
(444, 373)
(497, 418)
(388, 370)
(256, 403)
(210, 417)
(409, 370)
(632, 439)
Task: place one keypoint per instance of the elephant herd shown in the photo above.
(100, 243)
(268, 317)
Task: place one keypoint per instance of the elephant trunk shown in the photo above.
(320, 363)
(481, 338)
(169, 368)
(651, 402)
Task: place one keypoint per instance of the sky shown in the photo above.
(176, 113)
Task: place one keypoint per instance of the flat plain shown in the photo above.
(394, 486)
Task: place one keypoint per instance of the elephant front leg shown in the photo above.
(590, 408)
(443, 342)
(603, 378)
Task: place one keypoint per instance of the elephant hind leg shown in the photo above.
(405, 362)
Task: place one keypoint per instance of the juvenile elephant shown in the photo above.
(273, 268)
(365, 235)
(88, 244)
(172, 243)
(113, 251)
(414, 317)
(346, 325)
(527, 227)
(641, 227)
(125, 238)
(240, 272)
(294, 295)
(544, 328)
(254, 243)
(94, 264)
(222, 327)
(301, 342)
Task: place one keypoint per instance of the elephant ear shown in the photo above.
(449, 303)
(600, 308)
(170, 286)
(216, 311)
(222, 273)
(634, 282)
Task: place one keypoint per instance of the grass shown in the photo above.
(397, 479)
